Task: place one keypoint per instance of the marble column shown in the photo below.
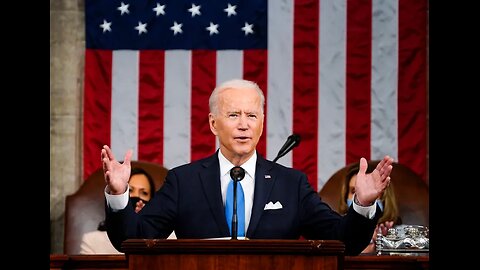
(67, 50)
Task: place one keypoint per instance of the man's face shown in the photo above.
(238, 124)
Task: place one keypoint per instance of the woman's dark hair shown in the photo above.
(151, 182)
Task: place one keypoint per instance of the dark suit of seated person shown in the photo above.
(279, 201)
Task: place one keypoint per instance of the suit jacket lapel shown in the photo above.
(264, 181)
(210, 178)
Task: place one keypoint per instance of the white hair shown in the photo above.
(234, 83)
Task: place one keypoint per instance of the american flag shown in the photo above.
(348, 76)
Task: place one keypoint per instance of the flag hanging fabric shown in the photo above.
(350, 77)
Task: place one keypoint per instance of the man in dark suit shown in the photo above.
(279, 201)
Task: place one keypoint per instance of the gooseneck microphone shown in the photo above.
(237, 173)
(292, 141)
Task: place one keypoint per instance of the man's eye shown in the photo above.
(252, 116)
(233, 115)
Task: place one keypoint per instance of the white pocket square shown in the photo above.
(273, 206)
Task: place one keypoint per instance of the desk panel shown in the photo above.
(361, 262)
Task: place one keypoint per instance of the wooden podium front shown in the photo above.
(187, 254)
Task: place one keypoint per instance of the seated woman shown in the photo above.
(387, 204)
(141, 190)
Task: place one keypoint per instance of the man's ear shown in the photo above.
(212, 123)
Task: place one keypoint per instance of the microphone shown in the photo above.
(237, 173)
(292, 141)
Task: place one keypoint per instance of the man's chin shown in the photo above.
(244, 150)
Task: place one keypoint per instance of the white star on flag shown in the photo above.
(230, 10)
(123, 8)
(106, 26)
(177, 28)
(195, 10)
(141, 27)
(159, 9)
(213, 28)
(247, 28)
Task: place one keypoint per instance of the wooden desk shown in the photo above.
(361, 262)
(255, 254)
(112, 262)
(392, 262)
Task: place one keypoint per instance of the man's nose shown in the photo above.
(243, 122)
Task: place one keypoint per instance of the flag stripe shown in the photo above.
(359, 34)
(97, 107)
(332, 79)
(203, 81)
(150, 123)
(412, 84)
(125, 103)
(229, 65)
(279, 105)
(384, 79)
(305, 93)
(177, 108)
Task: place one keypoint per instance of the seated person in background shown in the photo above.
(387, 204)
(279, 202)
(141, 191)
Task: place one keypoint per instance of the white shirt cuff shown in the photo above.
(117, 202)
(366, 211)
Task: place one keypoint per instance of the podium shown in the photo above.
(192, 254)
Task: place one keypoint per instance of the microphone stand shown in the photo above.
(234, 217)
(237, 173)
(292, 141)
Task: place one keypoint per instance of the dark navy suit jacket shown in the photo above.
(190, 202)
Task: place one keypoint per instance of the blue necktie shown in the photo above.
(240, 208)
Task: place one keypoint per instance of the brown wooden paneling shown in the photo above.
(387, 262)
(80, 262)
(119, 262)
